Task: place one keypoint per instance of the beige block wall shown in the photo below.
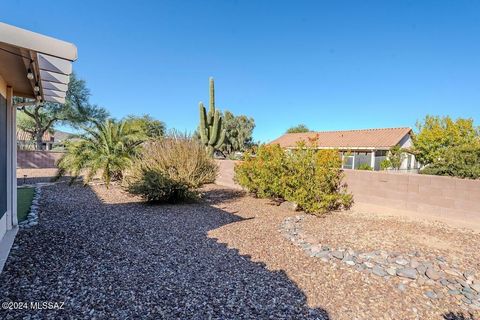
(422, 196)
(446, 198)
(27, 159)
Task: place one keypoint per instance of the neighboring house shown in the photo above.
(357, 147)
(31, 66)
(26, 141)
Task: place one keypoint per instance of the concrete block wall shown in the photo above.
(436, 196)
(445, 198)
(27, 159)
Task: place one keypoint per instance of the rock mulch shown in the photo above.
(101, 254)
(437, 276)
(107, 256)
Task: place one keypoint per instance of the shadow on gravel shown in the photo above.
(222, 195)
(130, 260)
(458, 316)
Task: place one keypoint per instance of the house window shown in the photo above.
(347, 162)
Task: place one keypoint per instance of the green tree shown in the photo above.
(301, 128)
(438, 134)
(396, 155)
(459, 161)
(238, 135)
(152, 128)
(76, 112)
(108, 147)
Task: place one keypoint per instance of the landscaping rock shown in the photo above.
(475, 287)
(338, 254)
(291, 206)
(409, 273)
(432, 274)
(401, 261)
(391, 271)
(378, 271)
(430, 294)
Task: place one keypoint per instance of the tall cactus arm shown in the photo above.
(212, 95)
(203, 135)
(221, 140)
(203, 123)
(216, 127)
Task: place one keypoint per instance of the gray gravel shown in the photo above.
(135, 261)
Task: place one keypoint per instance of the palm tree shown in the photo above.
(108, 148)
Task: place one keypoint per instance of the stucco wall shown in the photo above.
(446, 198)
(3, 147)
(37, 159)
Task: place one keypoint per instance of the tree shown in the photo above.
(239, 130)
(396, 156)
(301, 128)
(459, 161)
(107, 147)
(438, 134)
(152, 128)
(76, 111)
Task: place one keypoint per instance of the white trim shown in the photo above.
(5, 245)
(29, 40)
(12, 161)
(10, 141)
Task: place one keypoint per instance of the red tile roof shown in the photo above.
(368, 138)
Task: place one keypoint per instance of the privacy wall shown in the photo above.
(444, 197)
(434, 196)
(37, 159)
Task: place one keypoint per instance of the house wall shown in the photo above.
(3, 157)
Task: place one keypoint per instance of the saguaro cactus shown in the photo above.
(211, 132)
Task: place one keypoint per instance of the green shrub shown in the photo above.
(385, 164)
(461, 161)
(310, 178)
(171, 170)
(364, 166)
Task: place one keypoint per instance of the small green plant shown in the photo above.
(365, 166)
(385, 164)
(212, 133)
(310, 178)
(171, 170)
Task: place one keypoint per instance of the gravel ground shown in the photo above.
(105, 255)
(102, 254)
(366, 232)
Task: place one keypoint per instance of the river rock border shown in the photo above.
(32, 217)
(436, 275)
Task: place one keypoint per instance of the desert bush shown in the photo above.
(262, 170)
(310, 178)
(171, 170)
(364, 166)
(461, 161)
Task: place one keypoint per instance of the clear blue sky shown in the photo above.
(328, 64)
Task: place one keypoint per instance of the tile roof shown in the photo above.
(25, 136)
(368, 138)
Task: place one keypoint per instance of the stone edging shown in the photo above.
(32, 217)
(436, 275)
